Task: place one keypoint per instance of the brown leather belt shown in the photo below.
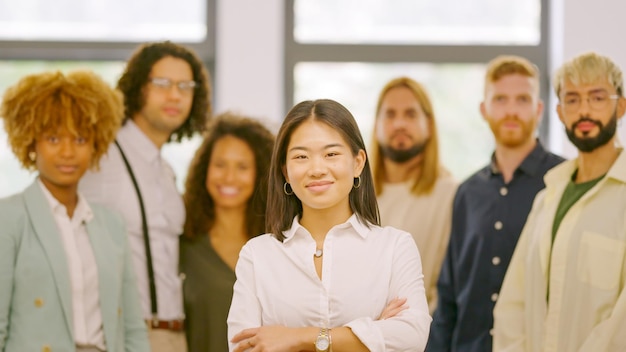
(174, 325)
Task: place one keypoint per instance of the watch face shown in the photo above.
(322, 343)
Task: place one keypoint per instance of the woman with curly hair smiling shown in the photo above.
(66, 277)
(225, 197)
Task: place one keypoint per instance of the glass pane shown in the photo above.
(456, 91)
(453, 22)
(14, 179)
(97, 20)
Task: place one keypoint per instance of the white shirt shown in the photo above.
(165, 213)
(363, 269)
(427, 218)
(83, 270)
(585, 270)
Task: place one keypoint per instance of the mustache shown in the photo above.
(400, 133)
(587, 119)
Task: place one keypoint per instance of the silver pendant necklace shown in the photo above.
(318, 253)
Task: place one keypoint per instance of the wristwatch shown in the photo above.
(323, 342)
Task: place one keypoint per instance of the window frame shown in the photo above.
(67, 50)
(440, 54)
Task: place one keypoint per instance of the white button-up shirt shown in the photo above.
(363, 269)
(83, 270)
(165, 213)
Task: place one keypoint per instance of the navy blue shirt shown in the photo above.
(487, 219)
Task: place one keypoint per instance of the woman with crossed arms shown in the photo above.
(326, 276)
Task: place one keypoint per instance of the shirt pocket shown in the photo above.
(600, 260)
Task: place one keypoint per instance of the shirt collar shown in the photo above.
(132, 136)
(362, 229)
(82, 213)
(531, 164)
(567, 168)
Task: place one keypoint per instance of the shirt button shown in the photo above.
(495, 260)
(38, 302)
(498, 225)
(494, 297)
(504, 191)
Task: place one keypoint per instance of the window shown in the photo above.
(36, 35)
(417, 22)
(104, 21)
(348, 50)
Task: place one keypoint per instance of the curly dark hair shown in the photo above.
(198, 201)
(136, 76)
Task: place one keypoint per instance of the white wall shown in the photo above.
(249, 62)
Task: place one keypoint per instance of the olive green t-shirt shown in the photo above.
(573, 192)
(207, 290)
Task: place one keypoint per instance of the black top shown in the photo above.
(208, 291)
(487, 219)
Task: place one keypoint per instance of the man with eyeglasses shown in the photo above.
(564, 289)
(166, 98)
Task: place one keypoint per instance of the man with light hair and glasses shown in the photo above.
(490, 209)
(166, 98)
(564, 290)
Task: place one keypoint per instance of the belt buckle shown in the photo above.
(153, 323)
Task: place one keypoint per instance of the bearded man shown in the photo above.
(564, 290)
(414, 190)
(490, 209)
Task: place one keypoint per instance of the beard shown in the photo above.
(403, 155)
(513, 139)
(589, 144)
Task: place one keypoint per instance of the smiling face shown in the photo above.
(165, 109)
(231, 174)
(513, 109)
(321, 167)
(62, 159)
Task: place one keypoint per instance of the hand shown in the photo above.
(392, 309)
(276, 338)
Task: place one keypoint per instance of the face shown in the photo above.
(513, 109)
(62, 159)
(402, 127)
(589, 113)
(166, 107)
(231, 174)
(321, 168)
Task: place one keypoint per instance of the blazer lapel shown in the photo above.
(108, 269)
(47, 231)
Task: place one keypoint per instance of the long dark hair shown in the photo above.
(136, 75)
(282, 208)
(198, 202)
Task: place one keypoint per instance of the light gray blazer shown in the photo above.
(35, 292)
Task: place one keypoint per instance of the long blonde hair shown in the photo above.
(431, 167)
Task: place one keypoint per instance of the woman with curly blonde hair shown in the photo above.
(225, 197)
(66, 279)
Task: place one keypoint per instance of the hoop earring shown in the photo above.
(290, 192)
(357, 182)
(32, 156)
